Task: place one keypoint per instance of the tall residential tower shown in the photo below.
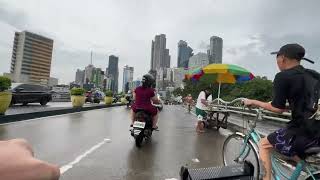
(113, 72)
(184, 53)
(215, 51)
(31, 58)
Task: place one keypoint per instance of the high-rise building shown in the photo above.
(215, 51)
(198, 60)
(127, 77)
(97, 78)
(184, 53)
(88, 74)
(31, 58)
(160, 57)
(113, 72)
(80, 74)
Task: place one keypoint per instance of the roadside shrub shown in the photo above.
(77, 92)
(109, 93)
(5, 83)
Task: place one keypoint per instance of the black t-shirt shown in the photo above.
(289, 85)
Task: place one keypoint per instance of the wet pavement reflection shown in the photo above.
(62, 139)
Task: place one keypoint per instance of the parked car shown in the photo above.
(30, 93)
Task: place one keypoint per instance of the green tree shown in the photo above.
(259, 88)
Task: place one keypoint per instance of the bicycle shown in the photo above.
(282, 167)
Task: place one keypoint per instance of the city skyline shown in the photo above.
(249, 33)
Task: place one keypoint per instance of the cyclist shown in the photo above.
(202, 103)
(143, 95)
(291, 84)
(17, 163)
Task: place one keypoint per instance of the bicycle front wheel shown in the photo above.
(236, 151)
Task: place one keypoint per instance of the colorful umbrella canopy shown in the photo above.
(221, 73)
(194, 74)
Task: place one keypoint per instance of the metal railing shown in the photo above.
(238, 108)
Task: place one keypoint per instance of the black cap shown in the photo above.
(293, 51)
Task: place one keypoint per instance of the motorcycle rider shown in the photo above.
(129, 97)
(143, 95)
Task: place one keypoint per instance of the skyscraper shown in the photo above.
(184, 53)
(31, 58)
(215, 51)
(127, 77)
(88, 74)
(113, 72)
(160, 57)
(80, 77)
(97, 77)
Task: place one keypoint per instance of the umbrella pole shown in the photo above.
(219, 92)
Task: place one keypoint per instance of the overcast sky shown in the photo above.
(250, 29)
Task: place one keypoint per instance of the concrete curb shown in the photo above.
(33, 115)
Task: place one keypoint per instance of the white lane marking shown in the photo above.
(172, 179)
(70, 165)
(195, 160)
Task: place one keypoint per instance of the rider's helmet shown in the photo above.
(148, 80)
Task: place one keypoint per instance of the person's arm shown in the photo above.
(264, 105)
(205, 102)
(134, 95)
(278, 104)
(203, 98)
(17, 162)
(154, 97)
(155, 100)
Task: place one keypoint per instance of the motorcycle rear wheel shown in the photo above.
(139, 140)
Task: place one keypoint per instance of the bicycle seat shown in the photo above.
(312, 151)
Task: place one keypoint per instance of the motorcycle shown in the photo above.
(89, 97)
(129, 101)
(142, 127)
(92, 97)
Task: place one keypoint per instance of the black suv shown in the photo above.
(30, 93)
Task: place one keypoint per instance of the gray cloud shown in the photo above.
(14, 18)
(250, 29)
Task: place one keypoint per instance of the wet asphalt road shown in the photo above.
(98, 144)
